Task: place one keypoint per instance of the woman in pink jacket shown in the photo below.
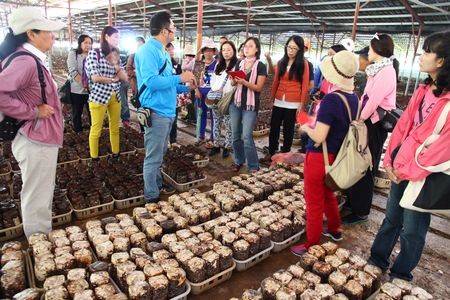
(416, 124)
(379, 95)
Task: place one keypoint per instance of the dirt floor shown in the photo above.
(432, 273)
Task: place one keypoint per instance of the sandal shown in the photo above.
(236, 167)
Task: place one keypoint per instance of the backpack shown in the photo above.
(10, 126)
(353, 158)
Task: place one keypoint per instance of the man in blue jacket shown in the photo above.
(154, 69)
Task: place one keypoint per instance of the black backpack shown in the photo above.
(10, 126)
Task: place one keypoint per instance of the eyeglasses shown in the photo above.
(173, 30)
(292, 48)
(375, 36)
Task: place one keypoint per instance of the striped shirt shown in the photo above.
(101, 92)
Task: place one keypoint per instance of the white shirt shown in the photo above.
(38, 53)
(283, 103)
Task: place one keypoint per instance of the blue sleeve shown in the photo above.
(148, 66)
(317, 79)
(181, 89)
(328, 109)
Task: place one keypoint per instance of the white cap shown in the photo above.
(27, 18)
(349, 44)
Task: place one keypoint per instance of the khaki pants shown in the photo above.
(37, 164)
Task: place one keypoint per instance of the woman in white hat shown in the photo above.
(208, 51)
(29, 93)
(332, 125)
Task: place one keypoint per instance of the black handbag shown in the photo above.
(9, 126)
(64, 92)
(389, 119)
(435, 193)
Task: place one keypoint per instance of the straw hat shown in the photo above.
(189, 50)
(340, 68)
(27, 18)
(208, 43)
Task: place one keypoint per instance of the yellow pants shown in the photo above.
(97, 116)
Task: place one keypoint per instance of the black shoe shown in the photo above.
(225, 153)
(353, 219)
(167, 189)
(213, 151)
(153, 200)
(114, 158)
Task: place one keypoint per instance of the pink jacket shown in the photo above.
(411, 138)
(381, 90)
(20, 94)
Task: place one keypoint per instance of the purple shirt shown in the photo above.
(20, 94)
(334, 113)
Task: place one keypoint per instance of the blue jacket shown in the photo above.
(161, 92)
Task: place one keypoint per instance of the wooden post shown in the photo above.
(184, 24)
(199, 29)
(247, 26)
(145, 20)
(110, 13)
(70, 23)
(355, 19)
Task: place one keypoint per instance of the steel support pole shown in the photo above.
(199, 29)
(145, 19)
(70, 22)
(247, 25)
(355, 19)
(110, 13)
(407, 51)
(45, 8)
(323, 39)
(416, 45)
(184, 24)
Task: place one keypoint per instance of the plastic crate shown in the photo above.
(277, 247)
(62, 219)
(242, 265)
(183, 296)
(262, 132)
(11, 233)
(129, 202)
(183, 187)
(201, 163)
(89, 212)
(198, 288)
(382, 183)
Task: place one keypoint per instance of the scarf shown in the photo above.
(250, 93)
(374, 68)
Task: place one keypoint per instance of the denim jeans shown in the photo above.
(411, 226)
(124, 110)
(202, 115)
(242, 125)
(155, 140)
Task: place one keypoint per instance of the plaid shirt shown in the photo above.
(101, 92)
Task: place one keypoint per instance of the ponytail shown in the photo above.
(11, 43)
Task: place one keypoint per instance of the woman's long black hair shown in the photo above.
(81, 39)
(439, 43)
(298, 66)
(107, 31)
(12, 42)
(222, 64)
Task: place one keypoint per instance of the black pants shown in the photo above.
(360, 195)
(285, 116)
(79, 101)
(173, 131)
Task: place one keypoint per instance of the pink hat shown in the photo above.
(208, 43)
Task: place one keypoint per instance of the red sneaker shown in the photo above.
(299, 250)
(126, 123)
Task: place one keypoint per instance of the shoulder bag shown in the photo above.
(10, 126)
(431, 194)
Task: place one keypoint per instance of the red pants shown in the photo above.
(319, 199)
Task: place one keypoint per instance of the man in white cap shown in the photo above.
(29, 93)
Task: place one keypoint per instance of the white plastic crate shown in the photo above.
(198, 288)
(183, 187)
(277, 247)
(242, 265)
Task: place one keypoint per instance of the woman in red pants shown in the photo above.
(331, 126)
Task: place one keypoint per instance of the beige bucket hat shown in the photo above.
(340, 68)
